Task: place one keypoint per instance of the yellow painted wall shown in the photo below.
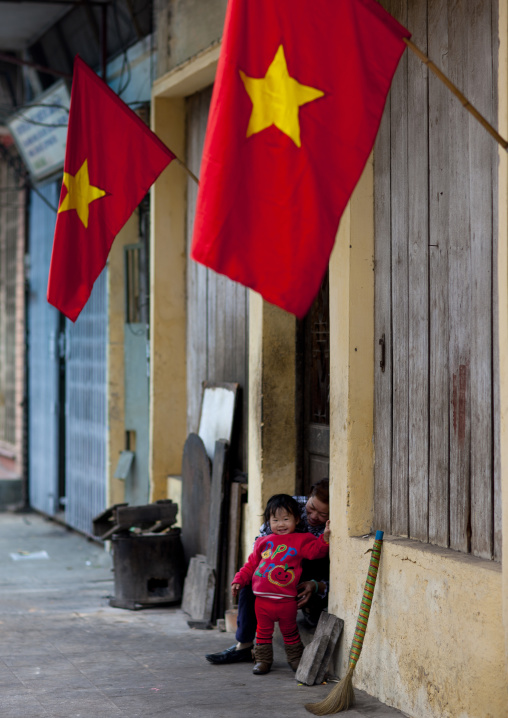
(116, 375)
(435, 645)
(168, 395)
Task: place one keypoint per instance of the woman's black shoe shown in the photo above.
(230, 655)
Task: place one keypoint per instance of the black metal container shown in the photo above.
(149, 569)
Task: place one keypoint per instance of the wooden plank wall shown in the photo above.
(217, 308)
(435, 215)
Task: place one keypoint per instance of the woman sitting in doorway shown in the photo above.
(312, 589)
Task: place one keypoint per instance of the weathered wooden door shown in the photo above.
(436, 466)
(217, 308)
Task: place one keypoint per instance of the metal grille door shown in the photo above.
(86, 415)
(43, 359)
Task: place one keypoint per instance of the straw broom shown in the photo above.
(342, 695)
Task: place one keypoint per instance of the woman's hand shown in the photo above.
(326, 532)
(235, 587)
(305, 591)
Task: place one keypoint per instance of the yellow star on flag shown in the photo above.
(276, 99)
(80, 193)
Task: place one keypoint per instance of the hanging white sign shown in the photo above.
(40, 131)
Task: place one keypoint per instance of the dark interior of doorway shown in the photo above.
(313, 392)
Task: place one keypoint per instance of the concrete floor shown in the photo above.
(65, 653)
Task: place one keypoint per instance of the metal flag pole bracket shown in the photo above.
(191, 174)
(463, 99)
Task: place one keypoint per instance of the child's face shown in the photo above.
(282, 522)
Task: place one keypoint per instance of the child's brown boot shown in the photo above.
(294, 653)
(264, 658)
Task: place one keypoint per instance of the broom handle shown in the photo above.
(368, 593)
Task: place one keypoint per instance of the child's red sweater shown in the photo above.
(274, 566)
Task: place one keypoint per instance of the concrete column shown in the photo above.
(272, 421)
(352, 364)
(351, 400)
(168, 396)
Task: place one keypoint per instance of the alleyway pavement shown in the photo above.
(65, 653)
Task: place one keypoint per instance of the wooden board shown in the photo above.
(382, 333)
(218, 534)
(316, 656)
(459, 294)
(218, 409)
(439, 201)
(195, 509)
(333, 629)
(399, 290)
(482, 153)
(127, 516)
(418, 281)
(199, 591)
(235, 518)
(497, 518)
(311, 660)
(219, 495)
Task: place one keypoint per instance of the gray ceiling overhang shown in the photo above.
(47, 34)
(21, 24)
(44, 37)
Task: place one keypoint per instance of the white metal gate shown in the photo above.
(43, 359)
(86, 411)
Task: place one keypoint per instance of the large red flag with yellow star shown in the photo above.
(111, 160)
(297, 102)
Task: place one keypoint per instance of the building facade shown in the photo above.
(417, 342)
(395, 385)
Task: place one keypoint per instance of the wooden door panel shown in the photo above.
(439, 201)
(418, 279)
(217, 307)
(436, 470)
(382, 320)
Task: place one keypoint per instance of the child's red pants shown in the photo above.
(270, 610)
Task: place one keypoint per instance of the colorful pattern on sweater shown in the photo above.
(274, 566)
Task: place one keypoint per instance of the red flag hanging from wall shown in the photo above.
(298, 98)
(111, 160)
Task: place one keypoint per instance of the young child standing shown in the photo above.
(274, 567)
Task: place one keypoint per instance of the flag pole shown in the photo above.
(449, 84)
(191, 174)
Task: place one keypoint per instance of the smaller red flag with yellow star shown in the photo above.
(111, 160)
